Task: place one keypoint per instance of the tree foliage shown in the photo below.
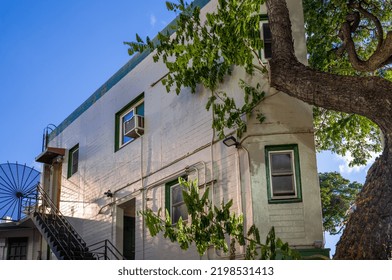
(336, 131)
(337, 199)
(205, 53)
(213, 227)
(344, 134)
(341, 34)
(369, 22)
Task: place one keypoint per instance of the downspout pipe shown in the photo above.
(143, 194)
(250, 191)
(212, 156)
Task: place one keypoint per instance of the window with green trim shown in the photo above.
(266, 36)
(129, 122)
(174, 201)
(283, 173)
(73, 160)
(267, 40)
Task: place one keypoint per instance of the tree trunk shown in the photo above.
(368, 233)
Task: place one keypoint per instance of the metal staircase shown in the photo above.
(62, 238)
(105, 250)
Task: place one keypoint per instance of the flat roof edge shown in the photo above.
(113, 80)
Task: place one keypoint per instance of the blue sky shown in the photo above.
(328, 162)
(55, 54)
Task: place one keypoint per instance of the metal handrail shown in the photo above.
(28, 203)
(39, 202)
(105, 249)
(47, 209)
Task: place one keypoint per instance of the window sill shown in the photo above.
(286, 200)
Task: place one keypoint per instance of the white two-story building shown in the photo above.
(124, 148)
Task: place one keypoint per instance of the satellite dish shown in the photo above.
(18, 190)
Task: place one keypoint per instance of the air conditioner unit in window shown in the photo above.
(134, 127)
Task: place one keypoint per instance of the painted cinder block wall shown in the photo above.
(178, 136)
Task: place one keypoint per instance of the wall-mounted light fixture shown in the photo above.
(108, 193)
(231, 141)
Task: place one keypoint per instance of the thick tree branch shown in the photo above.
(368, 232)
(366, 96)
(376, 21)
(381, 56)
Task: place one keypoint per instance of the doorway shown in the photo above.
(129, 229)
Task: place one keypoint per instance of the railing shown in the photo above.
(67, 239)
(70, 242)
(105, 250)
(28, 203)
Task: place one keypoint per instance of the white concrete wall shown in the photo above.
(178, 134)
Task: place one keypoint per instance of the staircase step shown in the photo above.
(63, 240)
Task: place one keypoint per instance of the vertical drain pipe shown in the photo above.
(239, 185)
(113, 214)
(143, 194)
(212, 165)
(250, 182)
(212, 155)
(240, 195)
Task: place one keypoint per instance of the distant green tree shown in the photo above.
(337, 198)
(215, 227)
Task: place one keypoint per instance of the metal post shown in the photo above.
(106, 249)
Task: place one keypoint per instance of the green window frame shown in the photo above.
(135, 107)
(266, 52)
(283, 173)
(267, 41)
(174, 202)
(73, 160)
